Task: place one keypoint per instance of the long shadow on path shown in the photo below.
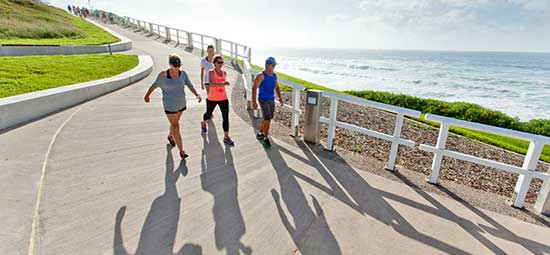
(159, 230)
(219, 178)
(371, 201)
(309, 229)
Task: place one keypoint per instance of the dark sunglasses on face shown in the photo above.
(219, 62)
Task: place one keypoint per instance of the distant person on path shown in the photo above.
(173, 82)
(69, 8)
(218, 96)
(206, 66)
(268, 84)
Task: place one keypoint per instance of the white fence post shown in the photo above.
(231, 52)
(218, 46)
(395, 144)
(190, 40)
(332, 123)
(202, 46)
(543, 200)
(295, 112)
(530, 164)
(151, 28)
(167, 33)
(438, 157)
(178, 36)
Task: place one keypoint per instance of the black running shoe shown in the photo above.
(267, 143)
(260, 136)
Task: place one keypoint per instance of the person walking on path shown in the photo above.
(206, 66)
(173, 82)
(267, 84)
(218, 96)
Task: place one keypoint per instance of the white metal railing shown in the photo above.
(527, 171)
(395, 138)
(240, 52)
(234, 51)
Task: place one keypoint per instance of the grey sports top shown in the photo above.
(173, 90)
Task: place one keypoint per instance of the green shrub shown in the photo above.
(458, 110)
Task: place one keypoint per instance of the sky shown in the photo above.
(459, 25)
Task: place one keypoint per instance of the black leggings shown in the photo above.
(224, 107)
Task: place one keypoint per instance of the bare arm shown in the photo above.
(278, 90)
(257, 82)
(147, 96)
(202, 78)
(191, 87)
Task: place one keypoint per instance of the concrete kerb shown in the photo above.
(123, 45)
(20, 109)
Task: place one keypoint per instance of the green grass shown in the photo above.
(26, 22)
(20, 75)
(508, 143)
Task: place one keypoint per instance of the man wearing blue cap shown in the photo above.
(268, 84)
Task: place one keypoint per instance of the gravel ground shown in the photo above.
(468, 183)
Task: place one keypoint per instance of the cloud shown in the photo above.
(451, 16)
(536, 5)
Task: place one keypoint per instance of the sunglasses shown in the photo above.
(219, 62)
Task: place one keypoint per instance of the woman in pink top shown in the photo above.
(218, 96)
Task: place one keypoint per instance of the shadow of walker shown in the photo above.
(219, 178)
(372, 202)
(309, 231)
(159, 230)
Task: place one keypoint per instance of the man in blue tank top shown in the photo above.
(268, 84)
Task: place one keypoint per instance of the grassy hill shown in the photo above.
(26, 22)
(20, 75)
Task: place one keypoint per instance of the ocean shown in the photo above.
(517, 84)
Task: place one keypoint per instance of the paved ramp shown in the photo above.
(113, 186)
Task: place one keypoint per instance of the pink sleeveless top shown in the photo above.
(217, 93)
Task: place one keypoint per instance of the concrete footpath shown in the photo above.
(111, 185)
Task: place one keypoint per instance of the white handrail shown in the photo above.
(395, 139)
(488, 128)
(527, 171)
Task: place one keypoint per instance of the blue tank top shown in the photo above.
(267, 87)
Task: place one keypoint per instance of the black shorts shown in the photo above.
(182, 109)
(268, 108)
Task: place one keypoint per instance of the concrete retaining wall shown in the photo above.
(23, 108)
(123, 45)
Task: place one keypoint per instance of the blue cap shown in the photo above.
(271, 61)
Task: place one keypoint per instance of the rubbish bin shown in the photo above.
(312, 126)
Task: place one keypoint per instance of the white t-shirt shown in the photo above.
(207, 65)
